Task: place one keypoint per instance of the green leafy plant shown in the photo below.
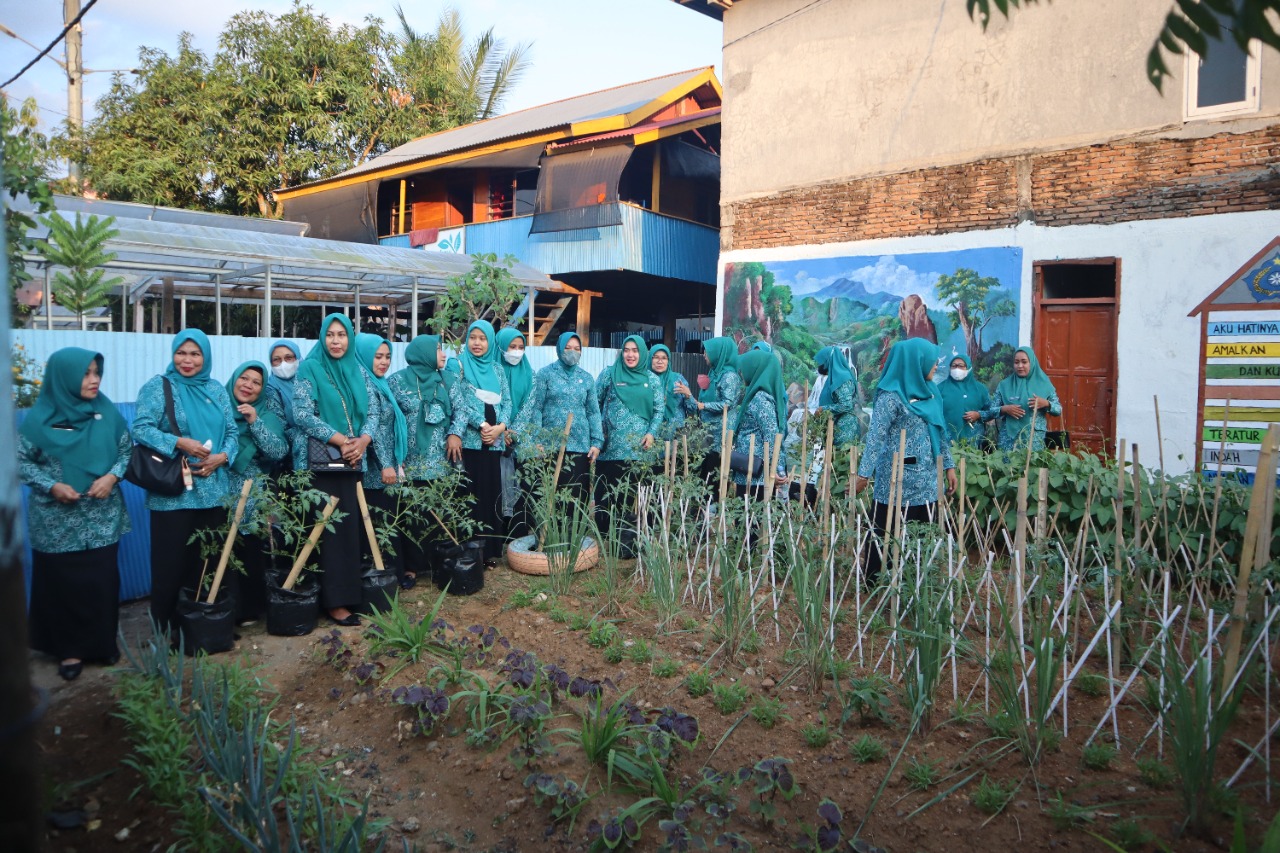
(488, 291)
(922, 774)
(1098, 756)
(866, 749)
(405, 636)
(729, 698)
(665, 667)
(768, 711)
(698, 683)
(26, 376)
(991, 797)
(817, 735)
(1090, 684)
(639, 651)
(80, 249)
(602, 634)
(1128, 834)
(1154, 773)
(615, 653)
(868, 697)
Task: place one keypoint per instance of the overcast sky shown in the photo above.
(579, 46)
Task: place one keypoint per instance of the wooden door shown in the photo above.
(1075, 340)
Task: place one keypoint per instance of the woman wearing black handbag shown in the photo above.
(205, 433)
(72, 451)
(331, 409)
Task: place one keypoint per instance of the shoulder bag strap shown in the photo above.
(168, 406)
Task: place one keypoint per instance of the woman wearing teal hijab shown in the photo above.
(839, 394)
(720, 402)
(762, 416)
(1021, 403)
(631, 411)
(481, 403)
(261, 444)
(333, 404)
(390, 443)
(421, 391)
(560, 389)
(963, 401)
(206, 435)
(511, 346)
(676, 406)
(73, 448)
(906, 399)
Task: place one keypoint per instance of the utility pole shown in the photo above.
(75, 83)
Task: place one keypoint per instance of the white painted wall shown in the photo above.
(1166, 268)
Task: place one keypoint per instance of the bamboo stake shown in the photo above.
(963, 515)
(1020, 558)
(827, 450)
(231, 540)
(1042, 505)
(1117, 583)
(1253, 553)
(771, 478)
(751, 462)
(804, 448)
(310, 544)
(368, 528)
(684, 440)
(1137, 498)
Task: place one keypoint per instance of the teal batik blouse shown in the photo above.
(58, 528)
(150, 427)
(272, 447)
(468, 412)
(728, 392)
(1038, 427)
(624, 429)
(557, 391)
(422, 463)
(383, 445)
(920, 477)
(760, 421)
(844, 408)
(310, 425)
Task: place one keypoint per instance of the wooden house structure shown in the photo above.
(614, 194)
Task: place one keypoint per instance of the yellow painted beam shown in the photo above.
(400, 229)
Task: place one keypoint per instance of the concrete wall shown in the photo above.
(1166, 268)
(849, 88)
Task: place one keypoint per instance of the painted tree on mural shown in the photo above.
(973, 308)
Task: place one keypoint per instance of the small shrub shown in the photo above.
(602, 635)
(922, 774)
(614, 653)
(729, 698)
(558, 614)
(767, 712)
(698, 684)
(639, 652)
(1098, 755)
(1128, 834)
(521, 598)
(1090, 683)
(665, 667)
(991, 797)
(867, 749)
(1154, 773)
(578, 622)
(965, 712)
(817, 735)
(868, 697)
(752, 643)
(1064, 815)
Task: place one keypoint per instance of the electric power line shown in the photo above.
(52, 44)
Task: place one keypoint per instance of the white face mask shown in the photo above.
(959, 374)
(285, 370)
(513, 356)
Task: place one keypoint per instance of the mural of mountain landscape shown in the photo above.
(966, 301)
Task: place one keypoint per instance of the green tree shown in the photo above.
(286, 99)
(488, 291)
(966, 292)
(26, 157)
(80, 249)
(1190, 25)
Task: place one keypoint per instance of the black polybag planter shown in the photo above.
(465, 566)
(377, 590)
(626, 543)
(437, 553)
(208, 628)
(291, 612)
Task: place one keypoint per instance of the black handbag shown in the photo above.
(1057, 439)
(738, 463)
(323, 457)
(152, 470)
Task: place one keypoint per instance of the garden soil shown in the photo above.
(441, 794)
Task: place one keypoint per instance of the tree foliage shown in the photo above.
(489, 291)
(80, 248)
(1190, 25)
(25, 155)
(285, 99)
(967, 293)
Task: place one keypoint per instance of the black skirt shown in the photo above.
(873, 557)
(340, 550)
(75, 603)
(176, 563)
(484, 476)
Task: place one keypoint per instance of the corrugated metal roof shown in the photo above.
(131, 210)
(609, 102)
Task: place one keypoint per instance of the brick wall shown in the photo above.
(1104, 183)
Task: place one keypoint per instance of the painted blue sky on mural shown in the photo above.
(896, 275)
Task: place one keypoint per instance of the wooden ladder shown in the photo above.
(546, 322)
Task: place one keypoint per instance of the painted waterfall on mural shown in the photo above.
(966, 301)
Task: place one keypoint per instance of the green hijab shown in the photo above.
(722, 355)
(481, 371)
(200, 403)
(248, 449)
(761, 372)
(905, 374)
(832, 360)
(631, 384)
(89, 449)
(1015, 389)
(668, 378)
(431, 383)
(520, 376)
(338, 383)
(960, 397)
(367, 347)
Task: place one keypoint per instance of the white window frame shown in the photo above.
(1252, 80)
